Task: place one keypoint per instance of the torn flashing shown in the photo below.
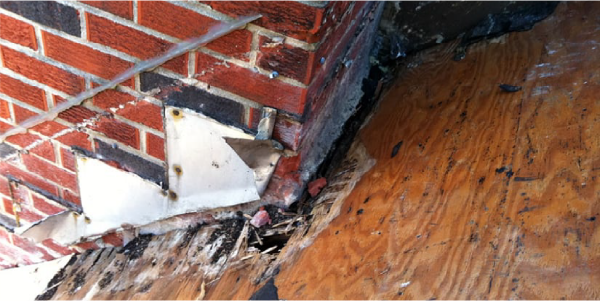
(209, 165)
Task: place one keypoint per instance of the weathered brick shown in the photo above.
(27, 177)
(45, 150)
(251, 85)
(21, 140)
(17, 32)
(45, 206)
(4, 189)
(42, 72)
(237, 44)
(292, 19)
(287, 60)
(132, 41)
(48, 13)
(31, 248)
(22, 114)
(19, 90)
(8, 206)
(77, 139)
(88, 245)
(83, 57)
(115, 239)
(50, 172)
(141, 112)
(67, 158)
(130, 162)
(151, 80)
(119, 131)
(58, 248)
(77, 114)
(49, 128)
(155, 146)
(173, 20)
(220, 108)
(4, 109)
(123, 9)
(16, 254)
(71, 197)
(287, 132)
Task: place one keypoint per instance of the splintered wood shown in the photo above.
(490, 194)
(476, 192)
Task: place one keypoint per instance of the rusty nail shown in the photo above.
(172, 195)
(177, 169)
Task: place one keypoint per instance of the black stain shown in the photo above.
(130, 162)
(48, 13)
(267, 292)
(510, 88)
(396, 148)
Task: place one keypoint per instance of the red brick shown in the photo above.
(17, 32)
(293, 19)
(19, 90)
(8, 206)
(88, 245)
(237, 44)
(115, 239)
(23, 140)
(22, 114)
(4, 109)
(58, 248)
(77, 114)
(155, 146)
(49, 128)
(9, 169)
(71, 197)
(83, 57)
(30, 247)
(122, 9)
(287, 166)
(287, 60)
(173, 20)
(255, 116)
(119, 131)
(111, 99)
(42, 72)
(45, 206)
(4, 189)
(78, 139)
(287, 133)
(251, 85)
(50, 172)
(142, 112)
(132, 42)
(45, 150)
(17, 255)
(29, 215)
(68, 159)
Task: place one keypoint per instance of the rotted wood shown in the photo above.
(478, 192)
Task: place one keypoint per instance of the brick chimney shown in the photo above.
(305, 59)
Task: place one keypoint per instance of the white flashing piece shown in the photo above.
(26, 283)
(210, 165)
(203, 169)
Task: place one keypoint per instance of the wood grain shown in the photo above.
(492, 195)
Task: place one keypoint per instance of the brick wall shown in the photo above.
(50, 51)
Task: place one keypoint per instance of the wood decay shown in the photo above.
(490, 195)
